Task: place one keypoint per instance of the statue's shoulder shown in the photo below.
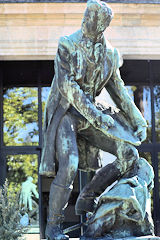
(75, 37)
(64, 42)
(70, 41)
(114, 54)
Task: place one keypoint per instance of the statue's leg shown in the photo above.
(30, 203)
(126, 156)
(67, 155)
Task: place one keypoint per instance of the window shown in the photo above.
(24, 88)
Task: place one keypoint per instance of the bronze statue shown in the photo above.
(28, 189)
(75, 128)
(125, 210)
(28, 205)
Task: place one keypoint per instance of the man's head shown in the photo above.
(30, 179)
(97, 17)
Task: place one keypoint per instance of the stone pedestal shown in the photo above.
(127, 238)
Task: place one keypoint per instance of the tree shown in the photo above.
(20, 116)
(20, 108)
(10, 228)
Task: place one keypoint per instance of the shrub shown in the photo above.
(10, 228)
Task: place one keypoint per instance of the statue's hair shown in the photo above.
(101, 7)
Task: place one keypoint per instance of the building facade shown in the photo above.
(29, 33)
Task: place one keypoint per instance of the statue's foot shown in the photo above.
(85, 204)
(55, 233)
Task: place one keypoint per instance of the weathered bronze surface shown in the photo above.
(76, 127)
(124, 210)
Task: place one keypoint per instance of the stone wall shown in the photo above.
(31, 30)
(80, 1)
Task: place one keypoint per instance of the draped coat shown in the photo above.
(82, 70)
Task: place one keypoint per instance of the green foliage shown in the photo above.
(10, 228)
(20, 167)
(45, 94)
(20, 116)
(20, 106)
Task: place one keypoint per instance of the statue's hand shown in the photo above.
(107, 121)
(141, 133)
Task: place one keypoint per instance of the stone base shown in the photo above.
(127, 238)
(141, 238)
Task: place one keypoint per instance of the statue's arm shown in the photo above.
(35, 191)
(65, 70)
(120, 96)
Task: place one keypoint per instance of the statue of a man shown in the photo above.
(27, 190)
(85, 64)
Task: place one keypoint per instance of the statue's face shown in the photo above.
(94, 23)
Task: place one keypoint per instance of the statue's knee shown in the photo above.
(132, 156)
(67, 170)
(127, 155)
